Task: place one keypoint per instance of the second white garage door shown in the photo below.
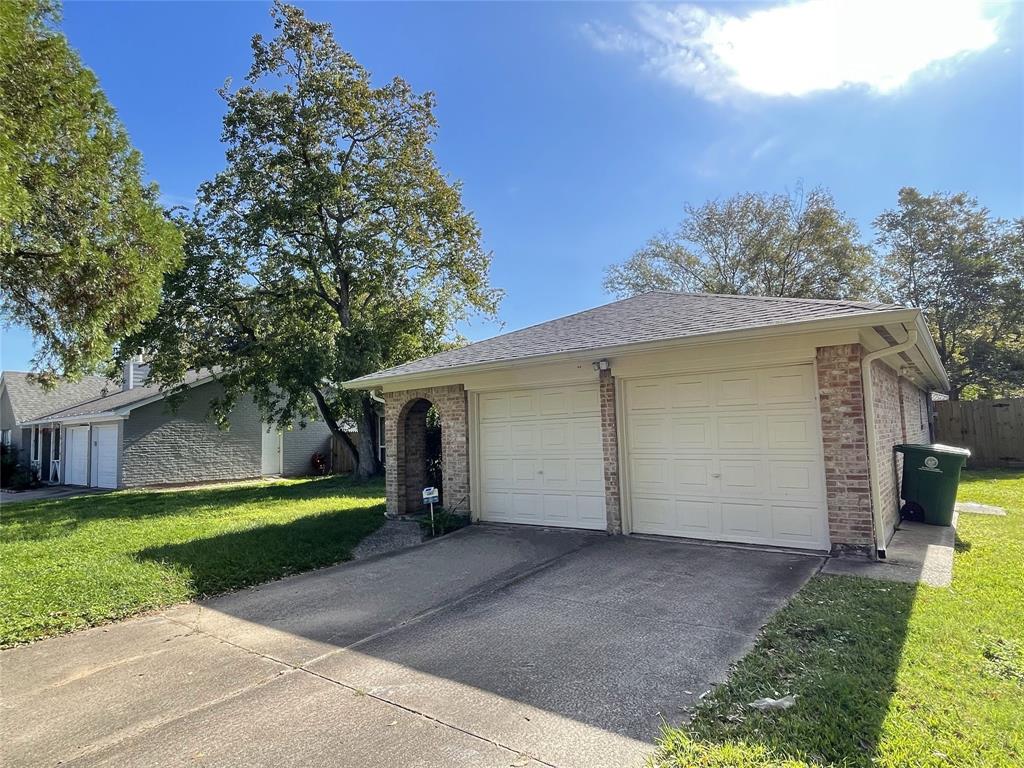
(731, 456)
(540, 457)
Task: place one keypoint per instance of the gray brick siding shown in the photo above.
(299, 444)
(184, 446)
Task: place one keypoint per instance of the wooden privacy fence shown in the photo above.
(341, 462)
(992, 429)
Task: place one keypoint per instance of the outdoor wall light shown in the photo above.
(601, 365)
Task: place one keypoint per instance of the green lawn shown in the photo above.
(71, 563)
(885, 674)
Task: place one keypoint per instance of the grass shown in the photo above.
(72, 563)
(885, 674)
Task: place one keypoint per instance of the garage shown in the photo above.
(540, 457)
(729, 455)
(750, 420)
(78, 456)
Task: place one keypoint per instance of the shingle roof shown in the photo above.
(120, 399)
(30, 401)
(655, 316)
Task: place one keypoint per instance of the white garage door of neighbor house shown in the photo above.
(731, 456)
(78, 456)
(540, 457)
(104, 456)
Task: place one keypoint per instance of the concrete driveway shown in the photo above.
(491, 647)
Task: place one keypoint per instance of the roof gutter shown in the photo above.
(869, 422)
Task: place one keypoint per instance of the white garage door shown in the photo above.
(104, 456)
(540, 457)
(78, 456)
(732, 456)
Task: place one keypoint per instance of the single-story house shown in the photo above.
(753, 420)
(107, 434)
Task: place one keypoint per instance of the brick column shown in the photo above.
(844, 437)
(610, 449)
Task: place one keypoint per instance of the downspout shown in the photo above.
(869, 425)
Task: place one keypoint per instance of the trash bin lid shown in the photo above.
(932, 448)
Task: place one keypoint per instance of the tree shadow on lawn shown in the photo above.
(837, 646)
(34, 521)
(257, 555)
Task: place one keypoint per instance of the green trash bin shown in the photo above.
(931, 474)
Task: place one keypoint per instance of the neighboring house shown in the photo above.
(122, 435)
(728, 418)
(22, 401)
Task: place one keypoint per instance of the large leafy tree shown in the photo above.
(768, 245)
(84, 244)
(330, 246)
(949, 256)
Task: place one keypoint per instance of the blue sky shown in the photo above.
(579, 130)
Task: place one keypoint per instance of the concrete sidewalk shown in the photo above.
(918, 553)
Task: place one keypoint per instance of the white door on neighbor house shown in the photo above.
(729, 455)
(271, 450)
(540, 457)
(77, 461)
(104, 456)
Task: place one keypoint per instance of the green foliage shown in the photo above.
(329, 247)
(71, 563)
(765, 245)
(444, 522)
(886, 675)
(965, 268)
(83, 243)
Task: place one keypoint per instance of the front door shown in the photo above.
(271, 464)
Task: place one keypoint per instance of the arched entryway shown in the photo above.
(423, 461)
(425, 433)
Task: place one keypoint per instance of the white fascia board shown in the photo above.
(87, 418)
(788, 329)
(926, 344)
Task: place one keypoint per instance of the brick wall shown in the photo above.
(298, 445)
(886, 390)
(844, 436)
(405, 455)
(916, 403)
(901, 416)
(184, 446)
(610, 450)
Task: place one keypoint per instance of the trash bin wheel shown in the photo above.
(912, 511)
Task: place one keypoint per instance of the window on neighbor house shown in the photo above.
(6, 437)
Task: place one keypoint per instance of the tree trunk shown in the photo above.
(369, 466)
(337, 431)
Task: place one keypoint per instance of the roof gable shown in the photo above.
(124, 401)
(29, 400)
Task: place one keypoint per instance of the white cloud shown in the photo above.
(802, 47)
